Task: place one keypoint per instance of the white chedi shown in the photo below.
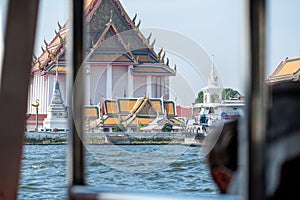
(57, 115)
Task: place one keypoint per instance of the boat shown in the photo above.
(194, 140)
(117, 139)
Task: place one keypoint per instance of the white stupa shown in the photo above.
(212, 93)
(57, 115)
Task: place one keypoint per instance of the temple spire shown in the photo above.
(212, 72)
(213, 78)
(56, 74)
(56, 95)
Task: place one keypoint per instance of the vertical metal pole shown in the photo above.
(257, 99)
(37, 119)
(75, 54)
(15, 77)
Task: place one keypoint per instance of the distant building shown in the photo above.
(184, 112)
(118, 65)
(214, 107)
(287, 70)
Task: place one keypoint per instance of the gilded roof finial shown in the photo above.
(111, 16)
(48, 51)
(49, 55)
(138, 25)
(34, 57)
(93, 44)
(60, 38)
(175, 68)
(59, 26)
(163, 58)
(149, 37)
(152, 44)
(134, 18)
(167, 62)
(45, 42)
(159, 53)
(43, 49)
(39, 62)
(136, 59)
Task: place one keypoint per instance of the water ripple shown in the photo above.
(43, 174)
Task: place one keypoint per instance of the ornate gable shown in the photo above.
(105, 19)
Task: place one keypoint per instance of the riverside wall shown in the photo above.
(107, 138)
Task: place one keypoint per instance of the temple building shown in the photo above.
(120, 62)
(287, 70)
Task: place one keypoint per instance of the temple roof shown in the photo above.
(169, 106)
(130, 111)
(287, 70)
(111, 37)
(92, 112)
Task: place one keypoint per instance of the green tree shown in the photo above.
(119, 128)
(199, 98)
(229, 93)
(139, 127)
(167, 127)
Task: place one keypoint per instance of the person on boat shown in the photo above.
(223, 157)
(282, 149)
(282, 142)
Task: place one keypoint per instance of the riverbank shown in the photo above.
(159, 138)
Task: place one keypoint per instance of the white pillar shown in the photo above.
(166, 90)
(149, 86)
(46, 92)
(88, 86)
(42, 95)
(109, 82)
(35, 88)
(130, 82)
(29, 98)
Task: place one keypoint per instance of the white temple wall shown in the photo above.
(157, 86)
(30, 97)
(119, 81)
(41, 88)
(139, 86)
(97, 83)
(165, 87)
(37, 90)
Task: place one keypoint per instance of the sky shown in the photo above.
(208, 27)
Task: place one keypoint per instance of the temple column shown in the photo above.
(166, 90)
(109, 82)
(29, 97)
(149, 86)
(130, 82)
(43, 95)
(35, 90)
(88, 86)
